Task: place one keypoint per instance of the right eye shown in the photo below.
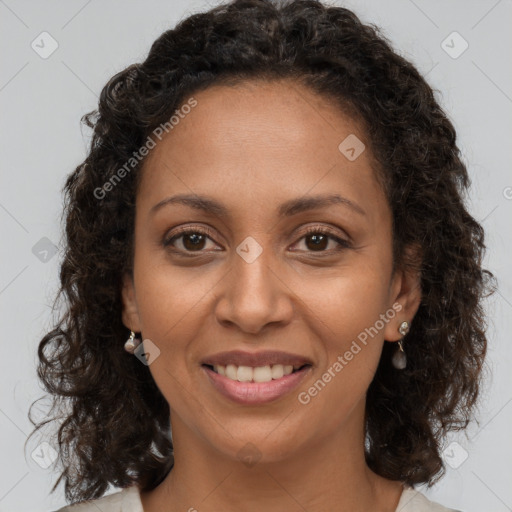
(191, 239)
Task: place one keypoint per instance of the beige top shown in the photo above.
(128, 500)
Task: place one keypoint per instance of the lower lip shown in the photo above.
(252, 393)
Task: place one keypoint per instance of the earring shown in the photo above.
(399, 359)
(131, 343)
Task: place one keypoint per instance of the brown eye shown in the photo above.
(188, 240)
(316, 239)
(193, 241)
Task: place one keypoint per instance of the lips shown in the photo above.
(256, 359)
(256, 393)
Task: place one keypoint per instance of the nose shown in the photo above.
(254, 295)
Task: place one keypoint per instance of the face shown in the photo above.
(258, 272)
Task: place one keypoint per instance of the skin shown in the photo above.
(252, 147)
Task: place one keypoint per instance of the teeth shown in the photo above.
(277, 371)
(257, 374)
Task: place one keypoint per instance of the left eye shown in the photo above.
(317, 240)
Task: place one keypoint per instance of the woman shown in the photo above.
(274, 289)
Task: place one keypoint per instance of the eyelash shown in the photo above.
(312, 230)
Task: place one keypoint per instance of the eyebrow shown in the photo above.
(286, 209)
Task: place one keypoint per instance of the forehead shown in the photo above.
(258, 141)
(279, 116)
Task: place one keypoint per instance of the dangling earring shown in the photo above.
(399, 359)
(131, 343)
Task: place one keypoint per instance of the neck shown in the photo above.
(327, 474)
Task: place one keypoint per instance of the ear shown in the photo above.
(130, 315)
(405, 293)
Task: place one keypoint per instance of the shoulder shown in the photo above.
(414, 501)
(126, 500)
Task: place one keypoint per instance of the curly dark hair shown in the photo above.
(116, 422)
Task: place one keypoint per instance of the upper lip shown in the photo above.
(264, 358)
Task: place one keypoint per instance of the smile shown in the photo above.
(255, 385)
(255, 374)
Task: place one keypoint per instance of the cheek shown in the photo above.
(348, 314)
(169, 300)
(169, 297)
(346, 318)
(348, 302)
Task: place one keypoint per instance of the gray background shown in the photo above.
(42, 101)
